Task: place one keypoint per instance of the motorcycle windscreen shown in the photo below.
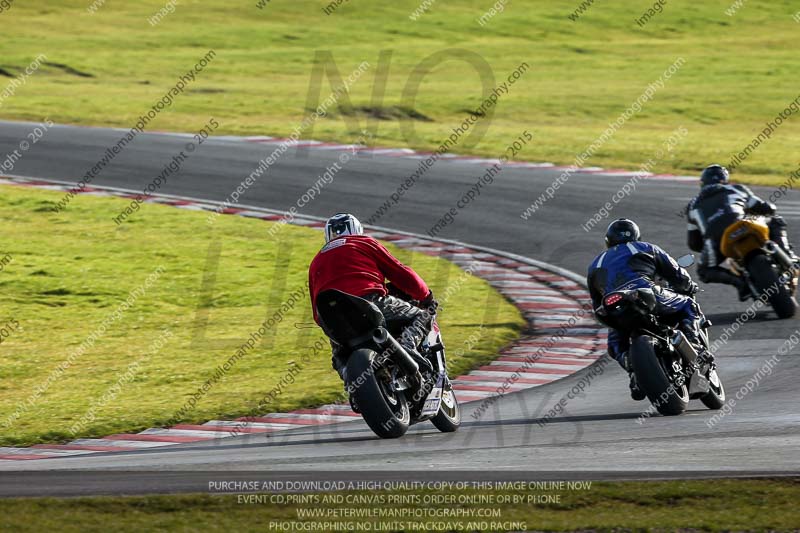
(344, 317)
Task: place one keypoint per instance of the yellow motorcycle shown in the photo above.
(769, 271)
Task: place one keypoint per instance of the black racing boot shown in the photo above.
(723, 275)
(744, 290)
(341, 369)
(410, 340)
(339, 365)
(704, 356)
(778, 235)
(354, 406)
(422, 362)
(637, 394)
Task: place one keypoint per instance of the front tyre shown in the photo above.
(715, 397)
(448, 419)
(665, 397)
(768, 282)
(384, 410)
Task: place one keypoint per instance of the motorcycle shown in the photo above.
(667, 366)
(386, 384)
(768, 269)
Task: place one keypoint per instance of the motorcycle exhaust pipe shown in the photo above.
(782, 257)
(684, 347)
(382, 338)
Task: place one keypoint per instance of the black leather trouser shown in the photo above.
(410, 321)
(777, 234)
(401, 317)
(717, 274)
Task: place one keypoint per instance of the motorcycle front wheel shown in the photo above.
(448, 419)
(715, 397)
(384, 410)
(665, 397)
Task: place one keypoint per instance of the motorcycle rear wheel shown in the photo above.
(766, 278)
(652, 379)
(384, 410)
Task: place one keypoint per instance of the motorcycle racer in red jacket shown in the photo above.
(359, 265)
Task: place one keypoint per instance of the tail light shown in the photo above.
(612, 299)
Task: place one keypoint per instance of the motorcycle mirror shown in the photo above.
(686, 260)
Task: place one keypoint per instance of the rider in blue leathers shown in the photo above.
(630, 263)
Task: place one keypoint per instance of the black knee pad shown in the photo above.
(777, 228)
(777, 232)
(777, 222)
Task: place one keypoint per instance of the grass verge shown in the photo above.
(76, 353)
(709, 505)
(582, 74)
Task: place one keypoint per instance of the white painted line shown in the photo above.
(242, 424)
(509, 275)
(527, 373)
(124, 443)
(45, 452)
(557, 298)
(161, 432)
(493, 384)
(309, 416)
(568, 369)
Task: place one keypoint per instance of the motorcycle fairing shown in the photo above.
(434, 399)
(698, 384)
(743, 237)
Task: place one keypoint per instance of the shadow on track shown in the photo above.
(726, 319)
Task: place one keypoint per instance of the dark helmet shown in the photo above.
(620, 231)
(713, 175)
(342, 224)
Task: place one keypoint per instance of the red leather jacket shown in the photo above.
(360, 265)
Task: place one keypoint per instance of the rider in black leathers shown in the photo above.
(711, 212)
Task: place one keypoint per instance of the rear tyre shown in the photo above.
(652, 379)
(384, 410)
(448, 419)
(715, 397)
(765, 278)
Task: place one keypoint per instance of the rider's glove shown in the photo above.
(692, 289)
(429, 303)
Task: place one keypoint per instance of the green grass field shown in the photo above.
(69, 272)
(713, 505)
(582, 74)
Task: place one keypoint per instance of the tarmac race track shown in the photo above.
(601, 434)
